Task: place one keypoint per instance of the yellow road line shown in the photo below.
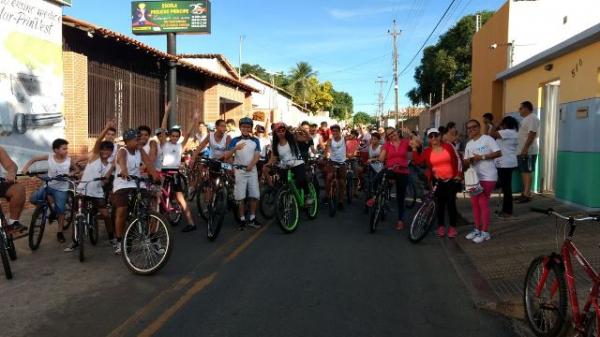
(245, 245)
(165, 316)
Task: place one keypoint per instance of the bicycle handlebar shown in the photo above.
(550, 211)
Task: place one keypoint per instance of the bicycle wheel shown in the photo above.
(376, 213)
(216, 214)
(70, 208)
(36, 227)
(10, 246)
(313, 210)
(421, 222)
(546, 311)
(287, 211)
(92, 227)
(5, 261)
(268, 200)
(316, 184)
(147, 244)
(349, 188)
(175, 215)
(80, 237)
(201, 201)
(410, 198)
(333, 196)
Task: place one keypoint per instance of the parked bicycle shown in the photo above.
(7, 245)
(168, 205)
(382, 198)
(147, 241)
(423, 218)
(550, 287)
(352, 181)
(415, 186)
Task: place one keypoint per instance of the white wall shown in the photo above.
(534, 26)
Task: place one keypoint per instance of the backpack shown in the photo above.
(472, 185)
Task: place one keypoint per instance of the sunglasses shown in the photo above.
(433, 135)
(281, 130)
(472, 127)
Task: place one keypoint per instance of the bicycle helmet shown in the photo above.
(175, 128)
(246, 121)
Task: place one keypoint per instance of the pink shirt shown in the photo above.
(397, 156)
(351, 146)
(441, 162)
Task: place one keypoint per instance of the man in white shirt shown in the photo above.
(528, 148)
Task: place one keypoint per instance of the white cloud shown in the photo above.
(339, 13)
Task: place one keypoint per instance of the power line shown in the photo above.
(427, 39)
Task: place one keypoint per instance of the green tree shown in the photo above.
(319, 96)
(281, 80)
(448, 62)
(298, 81)
(363, 118)
(343, 105)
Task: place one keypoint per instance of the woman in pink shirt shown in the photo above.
(442, 161)
(394, 155)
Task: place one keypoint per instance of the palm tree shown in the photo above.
(298, 80)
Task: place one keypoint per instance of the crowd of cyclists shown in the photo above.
(242, 159)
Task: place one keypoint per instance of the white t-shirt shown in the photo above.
(485, 145)
(56, 169)
(265, 144)
(286, 156)
(93, 170)
(508, 145)
(171, 155)
(531, 123)
(246, 155)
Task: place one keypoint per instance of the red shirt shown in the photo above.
(325, 134)
(351, 146)
(425, 158)
(397, 155)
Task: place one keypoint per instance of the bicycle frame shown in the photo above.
(297, 192)
(569, 250)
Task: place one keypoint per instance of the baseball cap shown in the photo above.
(130, 134)
(433, 130)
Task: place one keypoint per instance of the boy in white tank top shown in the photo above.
(335, 151)
(59, 163)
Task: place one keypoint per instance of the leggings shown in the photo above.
(401, 180)
(300, 177)
(481, 206)
(445, 197)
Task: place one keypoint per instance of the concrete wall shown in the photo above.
(487, 62)
(454, 109)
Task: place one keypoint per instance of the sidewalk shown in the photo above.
(503, 261)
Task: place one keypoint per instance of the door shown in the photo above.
(550, 114)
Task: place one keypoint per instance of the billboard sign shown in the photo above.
(161, 17)
(31, 78)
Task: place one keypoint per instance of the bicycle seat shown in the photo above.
(169, 172)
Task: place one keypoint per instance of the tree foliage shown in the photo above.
(448, 61)
(302, 82)
(363, 118)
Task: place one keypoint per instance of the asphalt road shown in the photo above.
(329, 278)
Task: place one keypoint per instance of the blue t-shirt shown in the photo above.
(245, 155)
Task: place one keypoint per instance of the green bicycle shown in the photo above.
(290, 199)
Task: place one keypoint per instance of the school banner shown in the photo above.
(31, 77)
(161, 17)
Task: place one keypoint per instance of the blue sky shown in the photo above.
(346, 42)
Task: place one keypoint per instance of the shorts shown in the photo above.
(120, 198)
(97, 202)
(4, 187)
(59, 197)
(246, 185)
(527, 163)
(176, 182)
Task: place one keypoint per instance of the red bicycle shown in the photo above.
(550, 283)
(167, 203)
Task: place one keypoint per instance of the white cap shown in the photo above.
(432, 130)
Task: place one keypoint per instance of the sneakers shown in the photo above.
(16, 227)
(113, 243)
(118, 249)
(441, 232)
(189, 228)
(452, 233)
(71, 247)
(483, 236)
(252, 224)
(399, 225)
(473, 234)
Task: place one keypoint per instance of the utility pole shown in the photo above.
(240, 56)
(477, 22)
(380, 102)
(395, 33)
(172, 79)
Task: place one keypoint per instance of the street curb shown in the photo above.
(482, 294)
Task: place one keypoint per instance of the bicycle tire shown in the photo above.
(349, 188)
(216, 214)
(288, 213)
(422, 222)
(267, 203)
(5, 262)
(200, 201)
(410, 199)
(316, 184)
(70, 208)
(93, 229)
(36, 228)
(80, 238)
(166, 243)
(333, 195)
(538, 322)
(313, 210)
(175, 215)
(377, 213)
(10, 247)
